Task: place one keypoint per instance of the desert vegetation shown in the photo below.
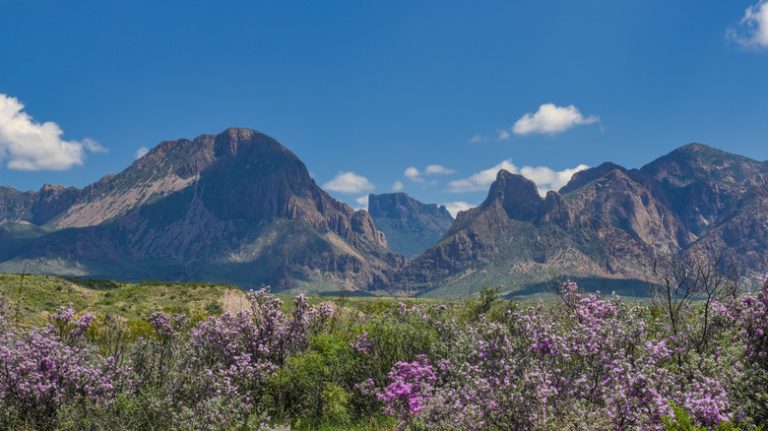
(696, 358)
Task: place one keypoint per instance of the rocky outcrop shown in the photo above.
(35, 207)
(15, 206)
(517, 195)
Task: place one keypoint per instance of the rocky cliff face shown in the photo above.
(410, 226)
(606, 223)
(15, 206)
(698, 183)
(236, 207)
(35, 207)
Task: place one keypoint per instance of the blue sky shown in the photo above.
(375, 88)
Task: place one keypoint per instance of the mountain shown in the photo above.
(607, 223)
(237, 207)
(699, 183)
(410, 226)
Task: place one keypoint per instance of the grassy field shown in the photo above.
(33, 297)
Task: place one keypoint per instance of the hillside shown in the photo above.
(37, 296)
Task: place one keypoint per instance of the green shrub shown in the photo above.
(309, 390)
(681, 420)
(214, 308)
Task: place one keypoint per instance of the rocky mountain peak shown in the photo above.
(695, 148)
(236, 207)
(584, 177)
(51, 188)
(239, 141)
(516, 194)
(698, 162)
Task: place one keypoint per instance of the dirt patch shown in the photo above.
(233, 301)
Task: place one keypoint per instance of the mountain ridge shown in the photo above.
(608, 222)
(239, 207)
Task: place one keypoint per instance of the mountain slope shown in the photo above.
(170, 167)
(410, 226)
(698, 183)
(237, 207)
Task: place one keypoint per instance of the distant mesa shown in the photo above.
(410, 226)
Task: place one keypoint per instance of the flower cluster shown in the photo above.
(361, 344)
(410, 388)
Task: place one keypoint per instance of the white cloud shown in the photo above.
(28, 145)
(416, 175)
(546, 179)
(362, 201)
(455, 207)
(413, 174)
(141, 152)
(94, 146)
(437, 170)
(551, 119)
(753, 27)
(349, 182)
(481, 180)
(478, 139)
(397, 186)
(503, 135)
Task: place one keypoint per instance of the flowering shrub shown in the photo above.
(410, 388)
(43, 369)
(750, 315)
(214, 374)
(590, 362)
(593, 361)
